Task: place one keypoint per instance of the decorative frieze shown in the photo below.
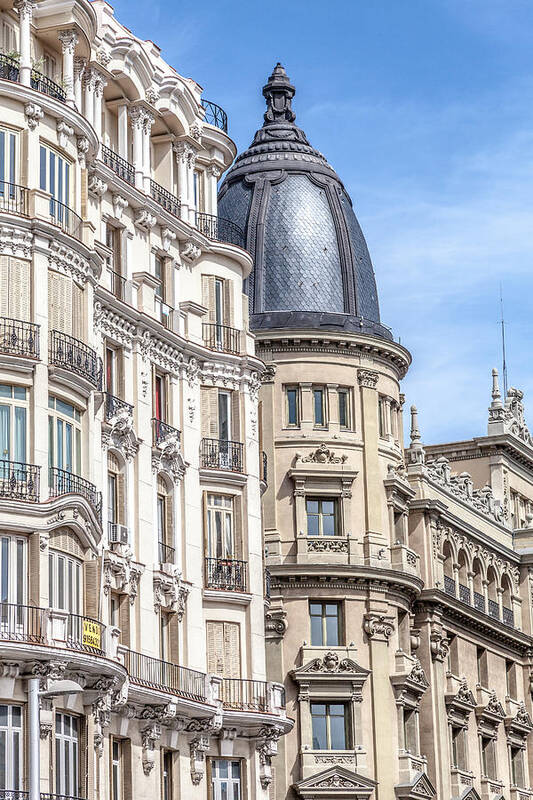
(323, 545)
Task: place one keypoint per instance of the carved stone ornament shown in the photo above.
(322, 455)
(378, 626)
(190, 252)
(268, 374)
(149, 737)
(119, 205)
(144, 220)
(82, 144)
(267, 747)
(332, 663)
(439, 645)
(329, 545)
(462, 487)
(151, 95)
(167, 237)
(119, 434)
(15, 242)
(367, 378)
(33, 114)
(167, 458)
(121, 573)
(198, 748)
(275, 623)
(170, 592)
(64, 131)
(96, 186)
(337, 781)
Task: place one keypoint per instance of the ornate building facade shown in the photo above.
(399, 616)
(132, 658)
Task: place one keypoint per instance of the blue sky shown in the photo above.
(425, 109)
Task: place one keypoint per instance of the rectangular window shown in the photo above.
(12, 572)
(458, 747)
(116, 769)
(344, 408)
(14, 411)
(64, 582)
(114, 610)
(488, 757)
(220, 534)
(410, 732)
(8, 163)
(64, 435)
(482, 671)
(319, 407)
(321, 516)
(382, 417)
(164, 635)
(517, 767)
(160, 397)
(325, 624)
(510, 678)
(159, 272)
(293, 406)
(167, 788)
(226, 779)
(330, 726)
(67, 755)
(55, 178)
(11, 748)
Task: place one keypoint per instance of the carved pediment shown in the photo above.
(322, 455)
(410, 686)
(331, 663)
(337, 782)
(419, 787)
(470, 794)
(332, 668)
(490, 715)
(519, 726)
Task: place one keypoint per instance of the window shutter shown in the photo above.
(208, 295)
(204, 410)
(34, 570)
(238, 533)
(4, 286)
(215, 647)
(260, 429)
(213, 413)
(19, 280)
(121, 498)
(77, 312)
(173, 635)
(229, 316)
(169, 528)
(235, 416)
(124, 619)
(59, 303)
(91, 575)
(232, 650)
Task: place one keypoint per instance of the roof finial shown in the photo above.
(496, 395)
(417, 454)
(278, 93)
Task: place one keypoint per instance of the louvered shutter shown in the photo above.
(169, 526)
(238, 533)
(229, 316)
(77, 312)
(235, 416)
(34, 570)
(127, 769)
(59, 302)
(208, 295)
(4, 286)
(215, 647)
(121, 499)
(173, 635)
(204, 411)
(124, 619)
(232, 650)
(91, 579)
(209, 412)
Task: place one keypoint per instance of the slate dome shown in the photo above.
(312, 268)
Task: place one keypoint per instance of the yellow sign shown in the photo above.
(92, 634)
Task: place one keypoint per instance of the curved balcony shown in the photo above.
(226, 574)
(165, 199)
(42, 83)
(221, 454)
(9, 68)
(215, 115)
(19, 338)
(61, 482)
(75, 356)
(52, 628)
(14, 198)
(487, 607)
(19, 481)
(152, 673)
(66, 219)
(220, 229)
(221, 337)
(239, 694)
(115, 405)
(117, 164)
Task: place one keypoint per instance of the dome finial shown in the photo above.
(278, 93)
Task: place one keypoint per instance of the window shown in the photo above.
(410, 730)
(226, 779)
(15, 286)
(318, 405)
(11, 748)
(55, 178)
(517, 767)
(164, 520)
(224, 649)
(293, 406)
(159, 272)
(67, 750)
(219, 302)
(64, 436)
(8, 162)
(224, 416)
(344, 408)
(160, 397)
(114, 610)
(325, 624)
(8, 37)
(164, 635)
(64, 582)
(510, 678)
(453, 654)
(65, 305)
(114, 259)
(167, 789)
(330, 726)
(488, 757)
(382, 417)
(482, 672)
(49, 67)
(458, 747)
(220, 534)
(116, 769)
(12, 570)
(115, 498)
(113, 371)
(321, 516)
(13, 423)
(199, 203)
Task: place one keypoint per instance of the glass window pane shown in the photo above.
(5, 574)
(332, 631)
(312, 506)
(19, 393)
(312, 525)
(319, 407)
(328, 526)
(319, 733)
(20, 434)
(316, 632)
(3, 715)
(223, 769)
(328, 506)
(337, 729)
(16, 716)
(3, 758)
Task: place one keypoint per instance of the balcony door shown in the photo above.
(8, 164)
(67, 755)
(11, 750)
(55, 178)
(220, 529)
(13, 422)
(13, 586)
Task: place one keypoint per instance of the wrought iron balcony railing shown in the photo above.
(479, 602)
(13, 794)
(494, 609)
(226, 574)
(114, 405)
(164, 313)
(238, 694)
(464, 594)
(221, 337)
(117, 284)
(84, 633)
(46, 85)
(14, 198)
(221, 454)
(215, 115)
(66, 218)
(268, 584)
(508, 617)
(9, 68)
(220, 229)
(162, 431)
(166, 199)
(264, 467)
(19, 338)
(76, 356)
(47, 796)
(20, 623)
(449, 585)
(163, 676)
(119, 165)
(166, 553)
(61, 482)
(19, 481)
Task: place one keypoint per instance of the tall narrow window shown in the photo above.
(410, 731)
(321, 516)
(116, 769)
(67, 755)
(488, 757)
(12, 572)
(319, 410)
(64, 582)
(344, 408)
(330, 726)
(167, 789)
(517, 767)
(13, 423)
(8, 166)
(458, 747)
(482, 671)
(382, 410)
(11, 748)
(64, 434)
(226, 779)
(220, 537)
(510, 678)
(293, 410)
(55, 174)
(325, 624)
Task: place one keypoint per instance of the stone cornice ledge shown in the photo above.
(386, 578)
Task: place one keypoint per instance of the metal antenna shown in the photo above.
(504, 361)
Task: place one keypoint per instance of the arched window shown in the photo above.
(164, 520)
(508, 616)
(493, 609)
(464, 589)
(449, 581)
(479, 596)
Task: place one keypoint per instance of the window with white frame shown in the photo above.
(226, 779)
(11, 748)
(13, 569)
(331, 726)
(9, 146)
(67, 755)
(13, 422)
(64, 436)
(55, 177)
(64, 582)
(116, 770)
(8, 36)
(220, 531)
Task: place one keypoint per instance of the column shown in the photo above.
(122, 113)
(34, 739)
(137, 118)
(191, 161)
(78, 66)
(25, 9)
(88, 99)
(213, 174)
(180, 151)
(99, 83)
(69, 40)
(148, 121)
(374, 540)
